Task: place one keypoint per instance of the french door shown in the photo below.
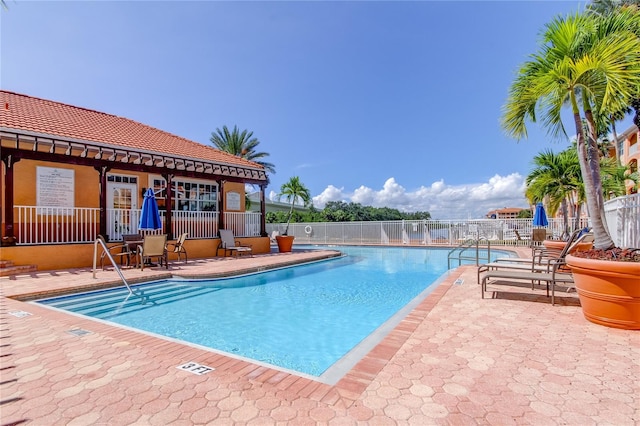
(122, 209)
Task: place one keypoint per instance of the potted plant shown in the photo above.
(608, 285)
(294, 191)
(591, 62)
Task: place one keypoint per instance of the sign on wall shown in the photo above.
(55, 187)
(233, 201)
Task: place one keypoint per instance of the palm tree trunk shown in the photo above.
(596, 214)
(286, 230)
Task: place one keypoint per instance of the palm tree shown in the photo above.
(294, 191)
(607, 7)
(556, 179)
(241, 144)
(593, 64)
(615, 176)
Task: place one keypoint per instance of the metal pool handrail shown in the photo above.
(100, 240)
(458, 253)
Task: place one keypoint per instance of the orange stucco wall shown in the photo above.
(65, 256)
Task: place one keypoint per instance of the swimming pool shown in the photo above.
(311, 319)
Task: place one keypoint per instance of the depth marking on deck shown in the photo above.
(458, 281)
(195, 368)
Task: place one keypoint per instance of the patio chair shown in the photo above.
(537, 237)
(538, 264)
(125, 251)
(178, 247)
(153, 246)
(229, 244)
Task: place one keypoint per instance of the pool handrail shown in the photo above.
(458, 253)
(102, 242)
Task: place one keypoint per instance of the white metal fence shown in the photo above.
(58, 225)
(623, 220)
(510, 232)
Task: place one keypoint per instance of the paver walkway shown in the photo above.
(456, 359)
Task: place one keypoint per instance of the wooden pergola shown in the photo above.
(103, 157)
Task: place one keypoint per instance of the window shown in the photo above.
(122, 179)
(188, 195)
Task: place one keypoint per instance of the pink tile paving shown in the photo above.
(510, 358)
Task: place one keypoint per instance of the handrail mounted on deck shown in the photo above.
(100, 240)
(458, 253)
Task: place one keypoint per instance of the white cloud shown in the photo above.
(331, 193)
(443, 201)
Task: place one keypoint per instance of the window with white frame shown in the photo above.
(188, 194)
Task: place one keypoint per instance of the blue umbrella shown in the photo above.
(540, 216)
(150, 215)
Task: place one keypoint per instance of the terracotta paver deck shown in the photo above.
(455, 359)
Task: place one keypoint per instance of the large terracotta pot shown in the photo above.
(609, 291)
(285, 242)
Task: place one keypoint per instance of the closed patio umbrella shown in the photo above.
(540, 216)
(150, 215)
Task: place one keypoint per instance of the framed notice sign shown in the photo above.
(55, 187)
(233, 201)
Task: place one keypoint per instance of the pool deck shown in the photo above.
(455, 359)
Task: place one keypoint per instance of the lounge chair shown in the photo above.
(540, 264)
(229, 244)
(538, 253)
(178, 247)
(550, 278)
(154, 246)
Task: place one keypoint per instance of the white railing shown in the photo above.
(510, 232)
(55, 225)
(623, 220)
(243, 224)
(58, 225)
(121, 222)
(196, 224)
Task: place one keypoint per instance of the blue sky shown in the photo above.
(384, 103)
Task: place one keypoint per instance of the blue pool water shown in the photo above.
(302, 318)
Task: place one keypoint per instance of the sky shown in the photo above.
(384, 103)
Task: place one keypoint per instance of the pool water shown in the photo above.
(302, 318)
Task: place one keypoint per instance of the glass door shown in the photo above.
(122, 209)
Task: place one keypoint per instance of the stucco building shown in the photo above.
(70, 174)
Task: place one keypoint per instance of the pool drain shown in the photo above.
(20, 314)
(78, 332)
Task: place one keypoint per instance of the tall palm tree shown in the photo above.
(294, 191)
(593, 64)
(241, 144)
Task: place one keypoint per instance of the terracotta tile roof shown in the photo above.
(22, 112)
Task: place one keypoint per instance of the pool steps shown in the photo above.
(107, 301)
